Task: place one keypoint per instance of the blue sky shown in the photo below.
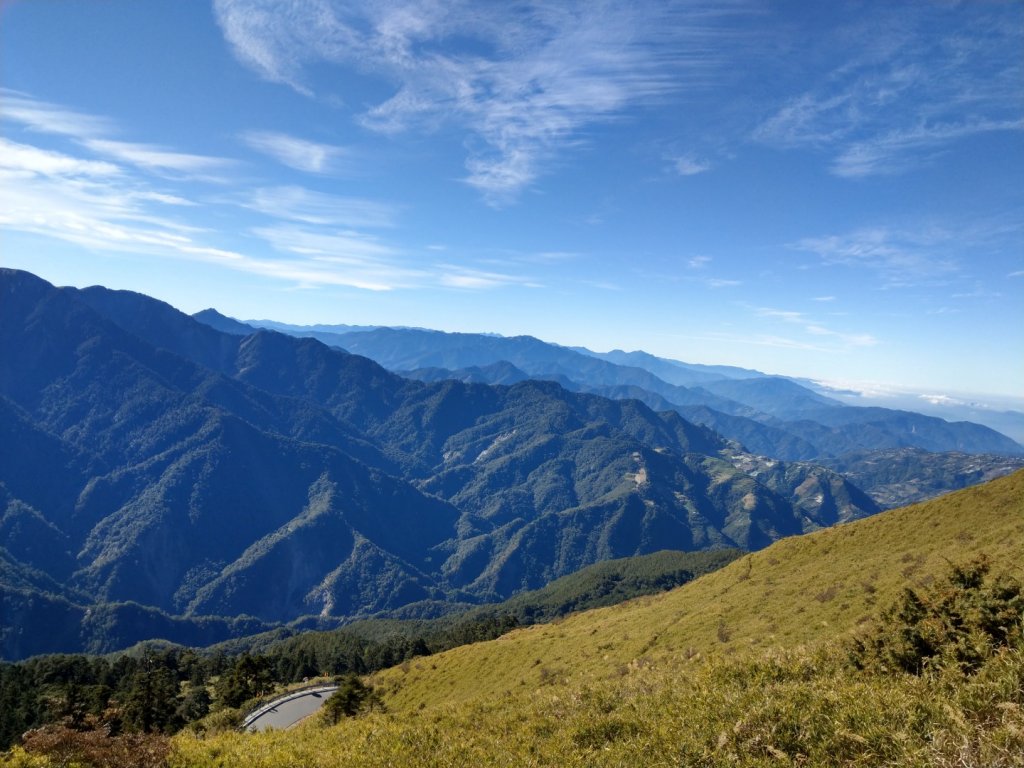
(829, 190)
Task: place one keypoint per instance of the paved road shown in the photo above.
(287, 710)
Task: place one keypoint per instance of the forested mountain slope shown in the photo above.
(199, 473)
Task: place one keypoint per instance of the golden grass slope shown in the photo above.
(796, 591)
(777, 710)
(738, 668)
(735, 669)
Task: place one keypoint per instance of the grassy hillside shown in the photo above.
(44, 690)
(739, 667)
(797, 591)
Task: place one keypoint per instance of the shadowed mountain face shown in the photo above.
(170, 478)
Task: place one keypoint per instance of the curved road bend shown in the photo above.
(285, 711)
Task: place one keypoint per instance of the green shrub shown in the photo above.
(961, 621)
(351, 698)
(219, 721)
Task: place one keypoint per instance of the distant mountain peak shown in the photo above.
(223, 323)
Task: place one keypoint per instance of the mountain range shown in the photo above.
(771, 415)
(163, 478)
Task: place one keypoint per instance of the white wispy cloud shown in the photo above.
(523, 79)
(262, 36)
(718, 282)
(300, 154)
(899, 256)
(688, 165)
(163, 197)
(814, 327)
(158, 159)
(44, 117)
(789, 316)
(27, 158)
(299, 204)
(364, 261)
(114, 213)
(93, 132)
(455, 276)
(904, 395)
(853, 339)
(346, 259)
(76, 198)
(807, 120)
(698, 262)
(346, 247)
(979, 291)
(104, 206)
(942, 400)
(765, 340)
(116, 205)
(907, 91)
(110, 213)
(895, 151)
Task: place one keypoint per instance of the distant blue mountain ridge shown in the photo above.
(770, 415)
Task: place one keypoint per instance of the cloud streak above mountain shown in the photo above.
(883, 112)
(316, 239)
(816, 328)
(523, 80)
(900, 257)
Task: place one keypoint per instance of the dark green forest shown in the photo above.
(153, 689)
